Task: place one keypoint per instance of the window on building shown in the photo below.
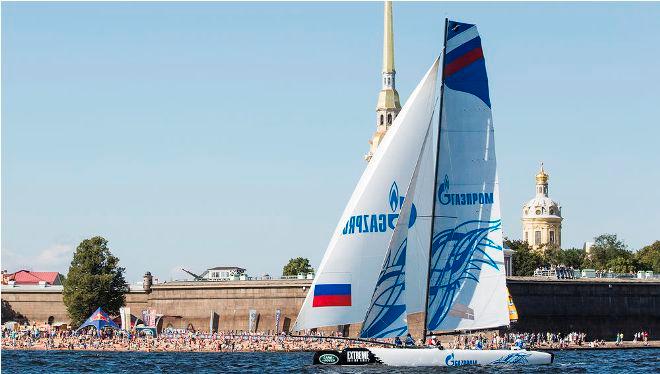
(537, 238)
(382, 119)
(552, 211)
(526, 237)
(538, 211)
(552, 236)
(389, 119)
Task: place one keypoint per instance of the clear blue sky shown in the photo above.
(210, 134)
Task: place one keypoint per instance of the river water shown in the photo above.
(584, 361)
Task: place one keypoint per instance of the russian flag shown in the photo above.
(332, 295)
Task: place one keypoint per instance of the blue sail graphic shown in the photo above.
(388, 306)
(457, 257)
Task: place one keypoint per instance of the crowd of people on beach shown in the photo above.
(113, 340)
(546, 340)
(239, 341)
(640, 336)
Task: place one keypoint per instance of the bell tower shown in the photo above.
(388, 106)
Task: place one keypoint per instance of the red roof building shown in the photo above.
(26, 277)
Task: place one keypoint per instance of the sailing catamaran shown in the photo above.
(422, 230)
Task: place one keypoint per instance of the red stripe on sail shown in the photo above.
(463, 61)
(331, 300)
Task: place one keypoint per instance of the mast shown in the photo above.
(435, 183)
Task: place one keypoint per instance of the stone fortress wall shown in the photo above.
(600, 307)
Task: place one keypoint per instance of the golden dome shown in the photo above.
(542, 176)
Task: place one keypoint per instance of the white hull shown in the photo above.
(458, 357)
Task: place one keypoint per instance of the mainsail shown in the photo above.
(347, 276)
(467, 288)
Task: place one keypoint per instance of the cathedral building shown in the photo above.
(388, 106)
(541, 217)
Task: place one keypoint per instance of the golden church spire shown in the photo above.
(388, 40)
(388, 106)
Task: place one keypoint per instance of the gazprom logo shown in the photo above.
(451, 361)
(383, 221)
(467, 198)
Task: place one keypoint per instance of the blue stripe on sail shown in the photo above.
(462, 49)
(454, 28)
(458, 247)
(471, 79)
(385, 316)
(380, 327)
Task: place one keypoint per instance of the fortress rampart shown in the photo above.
(600, 307)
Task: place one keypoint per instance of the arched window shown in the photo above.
(382, 119)
(389, 119)
(552, 211)
(51, 319)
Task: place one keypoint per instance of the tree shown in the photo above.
(551, 254)
(94, 280)
(525, 261)
(622, 265)
(606, 248)
(573, 257)
(648, 257)
(297, 266)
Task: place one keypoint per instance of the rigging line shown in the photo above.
(342, 338)
(435, 183)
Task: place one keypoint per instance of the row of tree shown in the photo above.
(608, 253)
